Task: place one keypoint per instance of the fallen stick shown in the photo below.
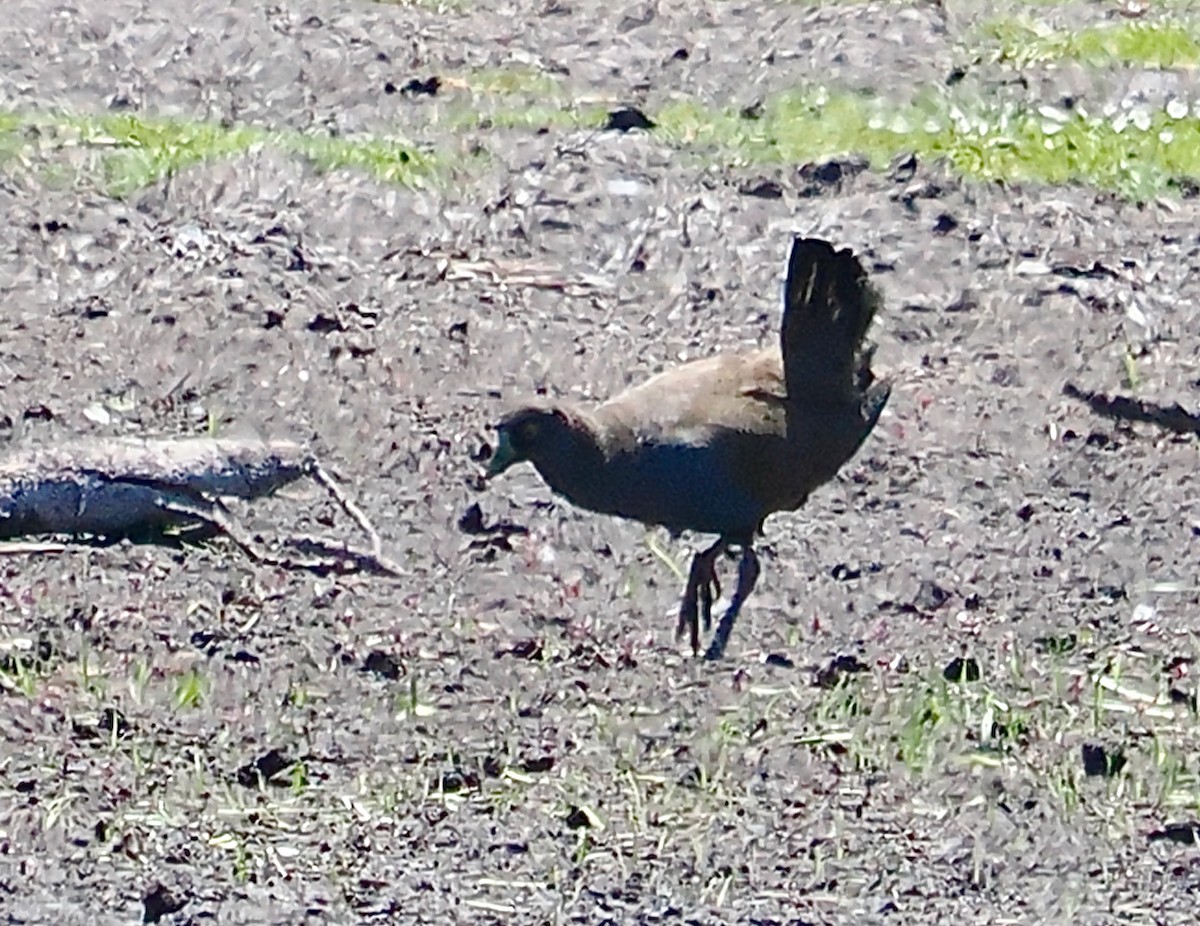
(214, 515)
(108, 487)
(114, 488)
(11, 547)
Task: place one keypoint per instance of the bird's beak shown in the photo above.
(503, 458)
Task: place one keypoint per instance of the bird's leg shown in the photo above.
(698, 596)
(747, 575)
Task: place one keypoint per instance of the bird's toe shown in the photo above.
(706, 603)
(689, 620)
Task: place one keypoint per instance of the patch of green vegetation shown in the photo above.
(10, 138)
(386, 159)
(20, 672)
(191, 689)
(1153, 44)
(1025, 718)
(143, 151)
(799, 126)
(1135, 153)
(130, 152)
(409, 703)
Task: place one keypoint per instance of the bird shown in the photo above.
(716, 445)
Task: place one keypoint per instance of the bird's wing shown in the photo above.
(740, 393)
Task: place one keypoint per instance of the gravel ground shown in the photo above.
(508, 732)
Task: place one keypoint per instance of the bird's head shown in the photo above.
(531, 433)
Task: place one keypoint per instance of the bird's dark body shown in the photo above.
(712, 446)
(718, 444)
(695, 489)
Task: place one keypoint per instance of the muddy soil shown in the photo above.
(508, 733)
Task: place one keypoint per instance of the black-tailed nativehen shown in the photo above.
(716, 445)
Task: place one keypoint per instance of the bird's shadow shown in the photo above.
(1174, 418)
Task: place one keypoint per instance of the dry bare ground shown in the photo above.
(507, 732)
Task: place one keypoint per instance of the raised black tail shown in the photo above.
(828, 306)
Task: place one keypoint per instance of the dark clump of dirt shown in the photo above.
(947, 699)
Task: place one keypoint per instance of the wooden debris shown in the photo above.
(113, 488)
(457, 267)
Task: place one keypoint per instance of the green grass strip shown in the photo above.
(385, 159)
(10, 135)
(1150, 44)
(131, 152)
(1136, 154)
(141, 151)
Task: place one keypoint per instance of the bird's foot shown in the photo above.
(703, 588)
(689, 619)
(696, 610)
(748, 570)
(710, 592)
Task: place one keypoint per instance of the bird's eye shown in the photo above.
(528, 432)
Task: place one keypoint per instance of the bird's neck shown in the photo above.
(577, 470)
